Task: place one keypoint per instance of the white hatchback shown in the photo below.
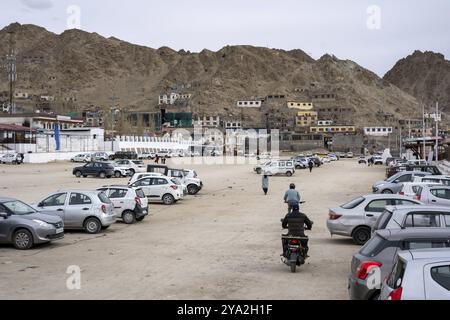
(161, 189)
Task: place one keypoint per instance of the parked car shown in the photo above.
(134, 166)
(24, 227)
(400, 217)
(350, 155)
(380, 252)
(100, 156)
(146, 156)
(411, 189)
(300, 162)
(444, 180)
(356, 218)
(121, 171)
(362, 160)
(130, 204)
(83, 157)
(395, 183)
(419, 275)
(12, 158)
(190, 184)
(317, 161)
(130, 155)
(433, 170)
(161, 189)
(164, 154)
(279, 167)
(377, 160)
(389, 161)
(90, 211)
(333, 157)
(96, 169)
(325, 160)
(434, 195)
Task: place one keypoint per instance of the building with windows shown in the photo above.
(306, 118)
(205, 122)
(378, 131)
(233, 125)
(342, 115)
(325, 122)
(172, 98)
(300, 105)
(333, 129)
(249, 104)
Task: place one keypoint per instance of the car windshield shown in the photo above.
(19, 208)
(104, 198)
(395, 177)
(371, 247)
(353, 204)
(383, 220)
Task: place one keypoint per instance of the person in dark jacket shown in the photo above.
(310, 165)
(265, 184)
(295, 223)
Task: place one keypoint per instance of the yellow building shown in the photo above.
(306, 118)
(300, 105)
(333, 129)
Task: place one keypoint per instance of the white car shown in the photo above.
(333, 157)
(121, 171)
(164, 154)
(11, 158)
(377, 160)
(160, 189)
(325, 160)
(410, 189)
(135, 166)
(444, 180)
(130, 204)
(84, 157)
(139, 176)
(284, 167)
(436, 195)
(146, 156)
(419, 275)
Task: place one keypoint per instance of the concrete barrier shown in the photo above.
(49, 157)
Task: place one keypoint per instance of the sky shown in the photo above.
(375, 33)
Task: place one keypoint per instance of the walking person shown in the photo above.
(157, 159)
(310, 165)
(265, 184)
(292, 198)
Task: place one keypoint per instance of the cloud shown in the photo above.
(38, 4)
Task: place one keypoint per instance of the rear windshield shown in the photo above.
(383, 220)
(138, 162)
(354, 203)
(176, 181)
(103, 198)
(140, 193)
(372, 247)
(396, 278)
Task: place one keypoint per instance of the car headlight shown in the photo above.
(43, 224)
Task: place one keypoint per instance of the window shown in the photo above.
(447, 220)
(55, 200)
(353, 204)
(79, 199)
(404, 178)
(142, 183)
(441, 193)
(400, 202)
(159, 181)
(442, 276)
(383, 220)
(377, 205)
(396, 278)
(372, 247)
(426, 220)
(117, 193)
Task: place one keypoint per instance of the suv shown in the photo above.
(12, 158)
(82, 158)
(24, 227)
(419, 275)
(394, 184)
(193, 184)
(131, 155)
(134, 166)
(380, 253)
(431, 169)
(162, 188)
(90, 211)
(130, 204)
(96, 169)
(402, 217)
(285, 167)
(100, 156)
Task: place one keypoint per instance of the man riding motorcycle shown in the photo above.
(295, 222)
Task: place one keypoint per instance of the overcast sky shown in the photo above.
(373, 33)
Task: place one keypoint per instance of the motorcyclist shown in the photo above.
(295, 223)
(292, 197)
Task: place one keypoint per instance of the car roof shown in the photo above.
(441, 254)
(78, 191)
(116, 186)
(6, 199)
(410, 208)
(373, 196)
(439, 177)
(417, 233)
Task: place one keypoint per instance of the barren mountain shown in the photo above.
(90, 69)
(425, 75)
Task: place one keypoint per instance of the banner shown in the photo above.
(57, 141)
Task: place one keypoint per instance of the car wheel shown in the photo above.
(117, 174)
(78, 174)
(168, 199)
(192, 189)
(92, 226)
(387, 191)
(361, 235)
(102, 175)
(289, 174)
(129, 217)
(132, 172)
(22, 239)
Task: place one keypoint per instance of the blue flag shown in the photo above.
(58, 145)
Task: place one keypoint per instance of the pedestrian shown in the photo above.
(292, 198)
(310, 165)
(157, 159)
(265, 184)
(163, 160)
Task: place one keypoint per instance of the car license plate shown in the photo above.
(60, 230)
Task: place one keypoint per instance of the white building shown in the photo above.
(171, 98)
(378, 131)
(233, 125)
(208, 122)
(48, 98)
(324, 122)
(249, 104)
(21, 95)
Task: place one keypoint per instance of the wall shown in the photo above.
(48, 157)
(346, 143)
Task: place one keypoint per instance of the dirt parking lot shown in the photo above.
(222, 244)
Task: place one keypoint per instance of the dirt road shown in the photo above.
(222, 244)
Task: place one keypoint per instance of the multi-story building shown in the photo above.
(325, 122)
(300, 105)
(378, 131)
(144, 121)
(333, 129)
(212, 122)
(342, 115)
(306, 118)
(172, 98)
(232, 125)
(249, 104)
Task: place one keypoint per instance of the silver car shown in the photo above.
(24, 227)
(91, 211)
(394, 184)
(379, 255)
(356, 218)
(434, 195)
(419, 275)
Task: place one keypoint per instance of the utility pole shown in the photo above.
(423, 133)
(437, 118)
(401, 145)
(12, 72)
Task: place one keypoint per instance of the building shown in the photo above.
(325, 122)
(378, 131)
(333, 129)
(211, 122)
(300, 105)
(41, 122)
(47, 98)
(147, 122)
(306, 118)
(21, 95)
(249, 104)
(276, 97)
(177, 120)
(342, 115)
(172, 98)
(324, 96)
(233, 125)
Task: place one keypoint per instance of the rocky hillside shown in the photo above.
(90, 69)
(425, 75)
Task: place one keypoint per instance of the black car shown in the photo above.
(96, 169)
(128, 155)
(431, 169)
